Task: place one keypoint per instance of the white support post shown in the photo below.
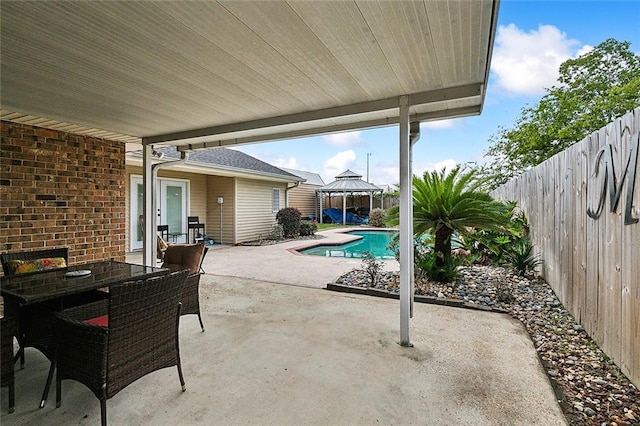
(406, 224)
(344, 208)
(149, 241)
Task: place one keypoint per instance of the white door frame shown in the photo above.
(136, 206)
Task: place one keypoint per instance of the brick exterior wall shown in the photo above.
(61, 189)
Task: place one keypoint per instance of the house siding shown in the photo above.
(303, 197)
(255, 217)
(246, 210)
(219, 186)
(61, 189)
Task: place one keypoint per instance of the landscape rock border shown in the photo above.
(433, 300)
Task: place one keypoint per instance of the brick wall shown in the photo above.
(61, 189)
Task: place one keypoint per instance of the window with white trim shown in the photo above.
(275, 200)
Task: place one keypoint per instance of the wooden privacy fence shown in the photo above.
(583, 206)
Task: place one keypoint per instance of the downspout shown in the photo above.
(286, 192)
(184, 156)
(414, 132)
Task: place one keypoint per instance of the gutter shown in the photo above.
(134, 159)
(184, 156)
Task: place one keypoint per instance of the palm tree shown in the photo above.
(444, 203)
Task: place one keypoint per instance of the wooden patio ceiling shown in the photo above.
(213, 73)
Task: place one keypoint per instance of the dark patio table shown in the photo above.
(55, 285)
(27, 289)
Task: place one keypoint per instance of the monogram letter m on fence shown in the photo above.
(605, 159)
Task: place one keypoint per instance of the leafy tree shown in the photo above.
(593, 90)
(444, 203)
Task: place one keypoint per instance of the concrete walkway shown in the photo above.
(285, 355)
(280, 263)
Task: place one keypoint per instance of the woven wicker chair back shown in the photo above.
(143, 328)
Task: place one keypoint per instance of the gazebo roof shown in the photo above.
(348, 174)
(349, 181)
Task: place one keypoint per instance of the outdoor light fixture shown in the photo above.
(220, 201)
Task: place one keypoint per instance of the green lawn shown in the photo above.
(325, 226)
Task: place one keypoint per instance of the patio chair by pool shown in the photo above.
(188, 256)
(110, 344)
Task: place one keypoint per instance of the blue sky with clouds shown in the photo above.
(532, 40)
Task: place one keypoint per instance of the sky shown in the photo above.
(533, 38)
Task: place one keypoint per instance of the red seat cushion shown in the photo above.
(102, 321)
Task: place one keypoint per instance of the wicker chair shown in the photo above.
(135, 330)
(188, 256)
(33, 322)
(7, 331)
(34, 328)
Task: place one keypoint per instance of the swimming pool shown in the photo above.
(374, 241)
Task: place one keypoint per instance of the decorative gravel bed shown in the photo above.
(590, 387)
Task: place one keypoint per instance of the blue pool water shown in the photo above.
(374, 241)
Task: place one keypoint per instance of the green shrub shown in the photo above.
(492, 246)
(521, 257)
(308, 227)
(424, 260)
(376, 218)
(289, 218)
(427, 266)
(276, 233)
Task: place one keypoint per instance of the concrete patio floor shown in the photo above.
(286, 354)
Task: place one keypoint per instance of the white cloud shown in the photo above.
(419, 169)
(338, 164)
(440, 124)
(388, 174)
(528, 62)
(385, 175)
(584, 50)
(343, 139)
(286, 162)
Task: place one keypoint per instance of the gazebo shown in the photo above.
(347, 182)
